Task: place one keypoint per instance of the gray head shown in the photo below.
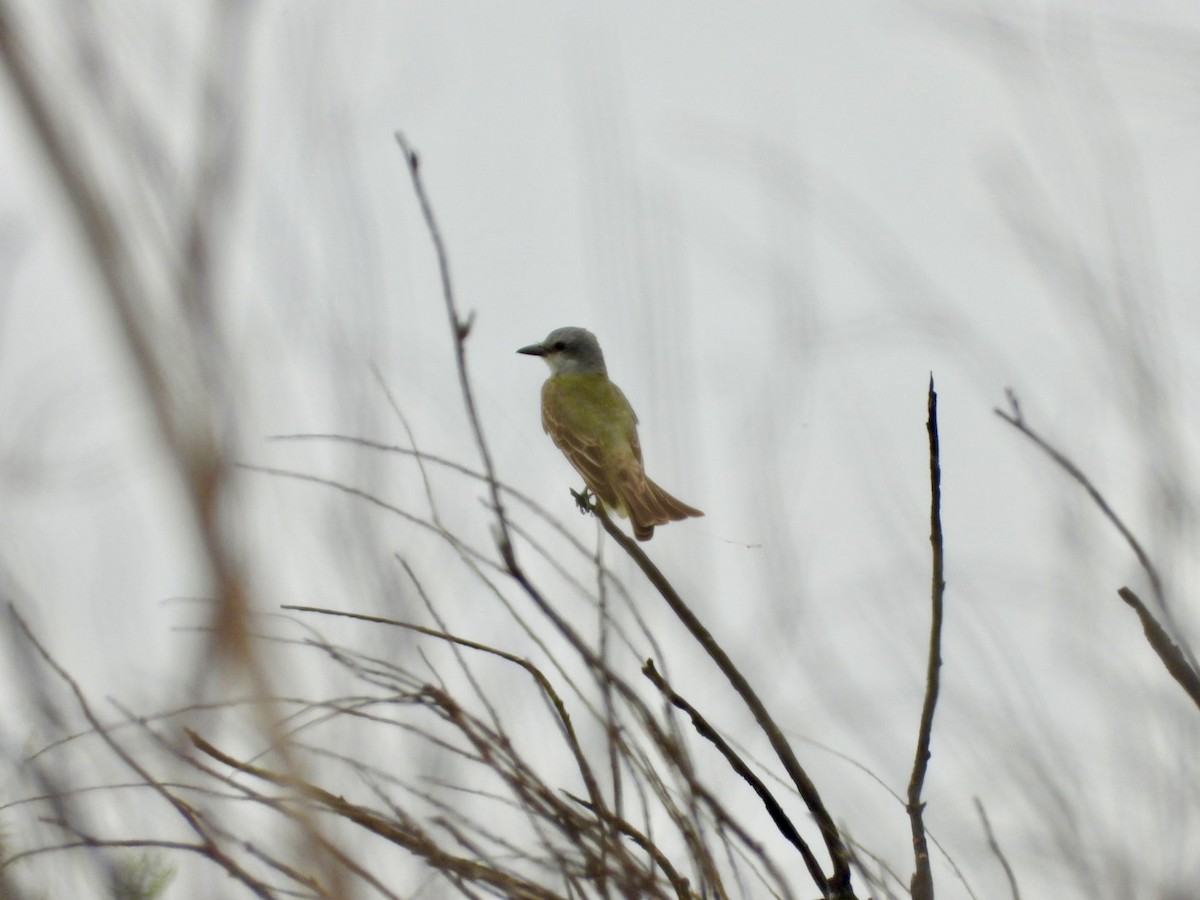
(569, 351)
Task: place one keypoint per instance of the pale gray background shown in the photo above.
(779, 219)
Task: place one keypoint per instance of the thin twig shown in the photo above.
(412, 440)
(994, 846)
(922, 880)
(706, 731)
(1170, 654)
(460, 330)
(1017, 419)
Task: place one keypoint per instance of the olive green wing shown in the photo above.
(575, 422)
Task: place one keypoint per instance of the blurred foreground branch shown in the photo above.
(1016, 418)
(169, 325)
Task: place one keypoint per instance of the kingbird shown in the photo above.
(592, 423)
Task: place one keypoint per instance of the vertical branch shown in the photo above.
(922, 880)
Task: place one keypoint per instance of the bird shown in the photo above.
(591, 422)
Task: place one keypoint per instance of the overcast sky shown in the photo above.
(779, 220)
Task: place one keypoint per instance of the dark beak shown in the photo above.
(533, 350)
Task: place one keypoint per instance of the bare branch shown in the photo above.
(838, 885)
(1017, 419)
(460, 330)
(778, 816)
(1168, 651)
(922, 880)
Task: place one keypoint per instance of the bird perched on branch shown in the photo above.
(592, 423)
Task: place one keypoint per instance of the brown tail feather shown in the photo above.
(650, 505)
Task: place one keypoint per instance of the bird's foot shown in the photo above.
(584, 500)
